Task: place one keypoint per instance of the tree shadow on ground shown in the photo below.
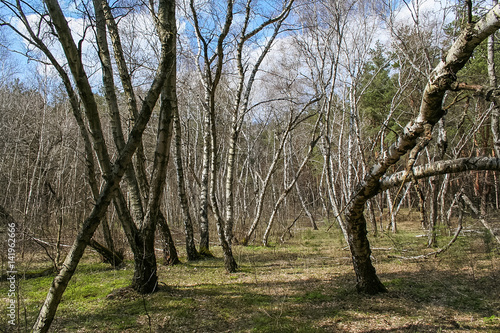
(419, 301)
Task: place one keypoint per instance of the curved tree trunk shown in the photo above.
(170, 256)
(442, 79)
(168, 103)
(48, 310)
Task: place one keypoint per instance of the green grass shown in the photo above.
(304, 285)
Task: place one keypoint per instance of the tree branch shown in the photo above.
(441, 168)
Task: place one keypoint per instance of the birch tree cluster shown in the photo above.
(186, 125)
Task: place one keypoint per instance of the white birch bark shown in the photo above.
(442, 79)
(61, 281)
(293, 121)
(210, 69)
(481, 217)
(288, 187)
(242, 99)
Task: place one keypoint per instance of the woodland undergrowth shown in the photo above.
(303, 285)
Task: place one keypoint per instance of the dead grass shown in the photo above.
(305, 285)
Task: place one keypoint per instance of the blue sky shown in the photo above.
(25, 68)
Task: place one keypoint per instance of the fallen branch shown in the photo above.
(481, 217)
(111, 257)
(289, 228)
(438, 252)
(41, 241)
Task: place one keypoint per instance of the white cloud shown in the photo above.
(422, 11)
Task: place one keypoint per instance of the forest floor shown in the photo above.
(306, 284)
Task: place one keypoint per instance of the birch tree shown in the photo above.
(246, 78)
(210, 59)
(442, 79)
(140, 232)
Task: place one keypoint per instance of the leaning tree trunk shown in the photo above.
(168, 102)
(48, 310)
(289, 187)
(128, 91)
(442, 78)
(170, 256)
(134, 194)
(95, 126)
(145, 275)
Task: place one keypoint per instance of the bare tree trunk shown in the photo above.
(242, 99)
(287, 189)
(128, 90)
(75, 106)
(48, 310)
(89, 155)
(441, 168)
(304, 207)
(495, 113)
(231, 154)
(441, 80)
(170, 256)
(204, 228)
(395, 208)
(442, 201)
(192, 253)
(481, 217)
(421, 205)
(334, 198)
(229, 261)
(485, 192)
(332, 195)
(373, 219)
(112, 103)
(168, 103)
(145, 276)
(432, 242)
(111, 257)
(210, 70)
(390, 208)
